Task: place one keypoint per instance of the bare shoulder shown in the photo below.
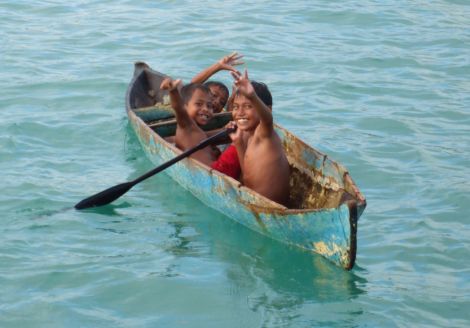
(191, 132)
(266, 134)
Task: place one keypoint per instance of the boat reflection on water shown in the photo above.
(258, 260)
(282, 285)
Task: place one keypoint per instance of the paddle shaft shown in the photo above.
(184, 154)
(109, 195)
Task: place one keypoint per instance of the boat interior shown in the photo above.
(310, 188)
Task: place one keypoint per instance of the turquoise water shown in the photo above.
(381, 86)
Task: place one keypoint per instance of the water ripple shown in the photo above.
(382, 88)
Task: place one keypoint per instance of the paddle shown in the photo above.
(109, 195)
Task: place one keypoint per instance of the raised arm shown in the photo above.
(226, 63)
(244, 86)
(173, 86)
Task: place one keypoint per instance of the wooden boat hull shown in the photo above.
(328, 229)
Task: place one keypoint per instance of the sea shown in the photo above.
(382, 87)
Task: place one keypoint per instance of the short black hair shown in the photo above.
(188, 90)
(263, 93)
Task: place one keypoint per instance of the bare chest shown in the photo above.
(189, 137)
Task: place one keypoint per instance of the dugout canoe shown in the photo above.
(325, 202)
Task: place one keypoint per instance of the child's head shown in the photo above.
(243, 111)
(219, 94)
(197, 102)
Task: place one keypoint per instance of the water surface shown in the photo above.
(382, 87)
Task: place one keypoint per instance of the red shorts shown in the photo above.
(228, 163)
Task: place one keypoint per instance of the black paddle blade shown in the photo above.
(105, 197)
(113, 193)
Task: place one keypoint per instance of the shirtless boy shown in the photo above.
(193, 108)
(218, 90)
(264, 165)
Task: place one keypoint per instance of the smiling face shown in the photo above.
(219, 98)
(199, 107)
(244, 113)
